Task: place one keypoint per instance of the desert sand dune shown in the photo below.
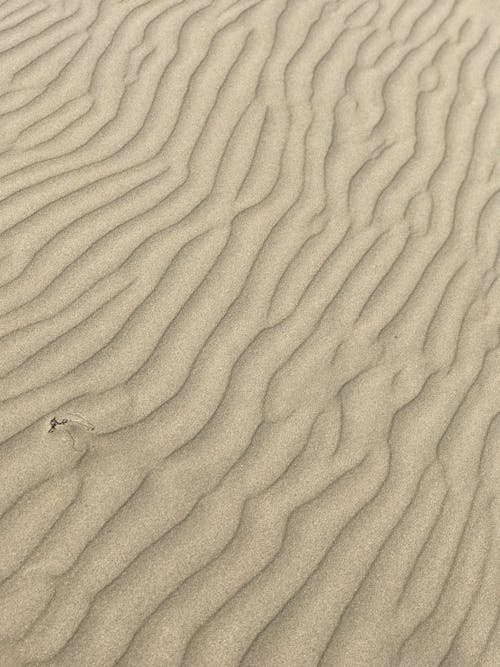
(249, 333)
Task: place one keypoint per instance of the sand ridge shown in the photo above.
(249, 333)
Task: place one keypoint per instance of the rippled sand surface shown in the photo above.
(249, 333)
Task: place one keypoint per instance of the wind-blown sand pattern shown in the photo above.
(249, 325)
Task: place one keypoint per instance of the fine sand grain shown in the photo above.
(249, 333)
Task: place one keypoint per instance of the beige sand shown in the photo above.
(249, 333)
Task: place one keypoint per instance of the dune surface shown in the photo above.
(250, 333)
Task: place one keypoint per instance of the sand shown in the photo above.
(249, 333)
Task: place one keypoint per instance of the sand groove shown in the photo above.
(250, 264)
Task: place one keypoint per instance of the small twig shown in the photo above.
(54, 422)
